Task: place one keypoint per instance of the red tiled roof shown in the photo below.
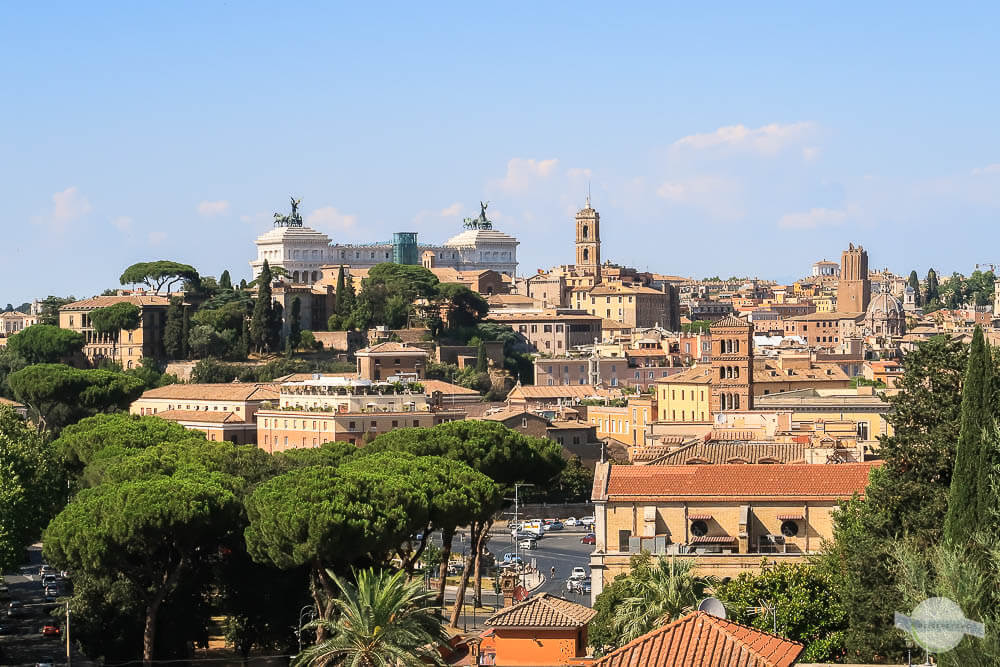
(542, 611)
(740, 480)
(702, 640)
(446, 388)
(230, 391)
(105, 301)
(206, 416)
(731, 321)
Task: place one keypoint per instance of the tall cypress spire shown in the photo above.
(968, 504)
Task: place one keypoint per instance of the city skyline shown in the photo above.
(177, 132)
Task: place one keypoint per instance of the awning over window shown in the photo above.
(791, 517)
(699, 517)
(712, 539)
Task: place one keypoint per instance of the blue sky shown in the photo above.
(726, 140)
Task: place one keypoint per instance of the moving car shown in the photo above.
(588, 521)
(512, 559)
(572, 521)
(529, 543)
(47, 569)
(555, 525)
(526, 535)
(6, 629)
(15, 608)
(589, 538)
(50, 630)
(578, 573)
(49, 580)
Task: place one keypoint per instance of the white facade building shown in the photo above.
(299, 250)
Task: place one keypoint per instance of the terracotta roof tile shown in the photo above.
(389, 347)
(732, 321)
(739, 480)
(702, 640)
(233, 391)
(727, 452)
(542, 611)
(208, 416)
(446, 388)
(560, 391)
(105, 301)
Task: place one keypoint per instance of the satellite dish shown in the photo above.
(713, 607)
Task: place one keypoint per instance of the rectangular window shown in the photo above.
(547, 328)
(623, 539)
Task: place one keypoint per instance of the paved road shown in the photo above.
(22, 642)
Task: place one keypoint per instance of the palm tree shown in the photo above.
(381, 620)
(662, 592)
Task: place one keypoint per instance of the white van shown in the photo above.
(536, 526)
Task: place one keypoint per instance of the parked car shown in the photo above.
(50, 580)
(588, 521)
(529, 543)
(4, 591)
(570, 585)
(578, 573)
(50, 630)
(589, 538)
(455, 567)
(572, 521)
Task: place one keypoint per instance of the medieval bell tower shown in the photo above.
(588, 242)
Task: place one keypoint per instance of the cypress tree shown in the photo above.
(968, 497)
(244, 347)
(186, 331)
(345, 295)
(932, 286)
(173, 331)
(260, 322)
(295, 324)
(275, 328)
(481, 365)
(225, 281)
(914, 282)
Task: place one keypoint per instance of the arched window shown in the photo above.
(586, 254)
(722, 372)
(585, 231)
(736, 401)
(736, 371)
(736, 346)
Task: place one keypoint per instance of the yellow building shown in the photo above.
(685, 396)
(633, 306)
(626, 423)
(825, 304)
(861, 406)
(129, 347)
(728, 518)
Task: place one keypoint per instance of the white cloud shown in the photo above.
(123, 223)
(67, 206)
(765, 140)
(579, 172)
(331, 218)
(987, 170)
(156, 238)
(211, 209)
(810, 153)
(522, 173)
(719, 197)
(813, 218)
(451, 211)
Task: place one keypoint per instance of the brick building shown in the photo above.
(732, 365)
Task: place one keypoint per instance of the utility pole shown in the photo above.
(69, 651)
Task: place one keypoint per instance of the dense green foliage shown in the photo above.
(807, 608)
(158, 274)
(652, 593)
(32, 487)
(45, 344)
(80, 443)
(60, 395)
(381, 619)
(214, 371)
(50, 309)
(970, 495)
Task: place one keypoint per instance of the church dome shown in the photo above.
(884, 304)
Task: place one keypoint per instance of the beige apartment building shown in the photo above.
(552, 332)
(633, 306)
(728, 518)
(130, 346)
(278, 430)
(384, 360)
(220, 411)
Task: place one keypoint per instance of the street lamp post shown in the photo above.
(69, 651)
(517, 542)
